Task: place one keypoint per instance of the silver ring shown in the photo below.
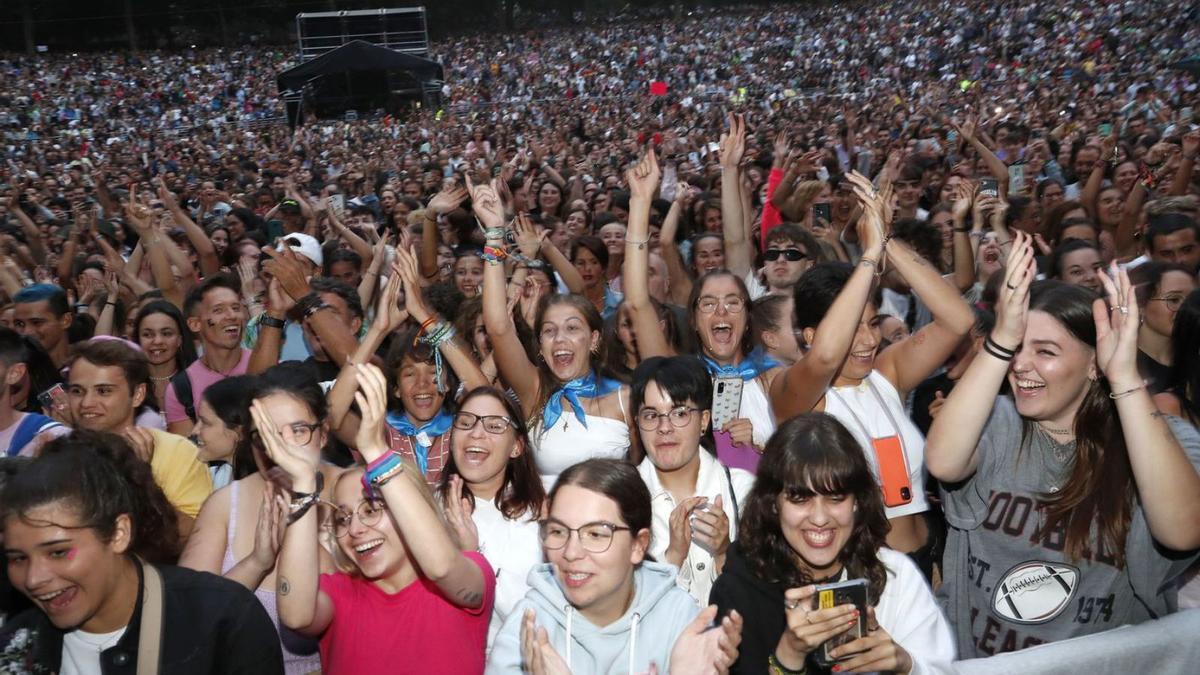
(1123, 309)
(791, 604)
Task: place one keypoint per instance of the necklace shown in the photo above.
(167, 378)
(1057, 432)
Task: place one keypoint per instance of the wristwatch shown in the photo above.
(271, 322)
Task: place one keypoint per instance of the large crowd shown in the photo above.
(842, 337)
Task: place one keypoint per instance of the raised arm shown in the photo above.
(964, 253)
(681, 280)
(1168, 484)
(370, 280)
(454, 348)
(33, 236)
(512, 362)
(151, 241)
(356, 243)
(995, 166)
(1091, 189)
(1187, 164)
(643, 181)
(739, 256)
(442, 203)
(803, 384)
(951, 448)
(458, 577)
(302, 605)
(909, 362)
(205, 251)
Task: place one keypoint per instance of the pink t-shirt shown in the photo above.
(202, 378)
(414, 631)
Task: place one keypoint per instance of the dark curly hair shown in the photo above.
(99, 477)
(813, 454)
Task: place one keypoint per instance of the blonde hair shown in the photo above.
(414, 476)
(801, 199)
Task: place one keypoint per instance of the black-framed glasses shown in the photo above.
(296, 433)
(593, 537)
(368, 511)
(493, 424)
(649, 418)
(788, 254)
(709, 304)
(1173, 302)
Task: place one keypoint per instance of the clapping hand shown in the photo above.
(1117, 331)
(1013, 303)
(371, 398)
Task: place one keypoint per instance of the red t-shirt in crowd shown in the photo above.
(414, 631)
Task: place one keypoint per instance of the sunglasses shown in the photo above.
(789, 254)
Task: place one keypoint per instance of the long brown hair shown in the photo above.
(522, 493)
(807, 455)
(1100, 487)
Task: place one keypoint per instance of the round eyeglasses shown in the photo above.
(593, 537)
(368, 511)
(1173, 302)
(649, 418)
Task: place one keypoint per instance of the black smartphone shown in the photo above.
(989, 187)
(822, 211)
(853, 592)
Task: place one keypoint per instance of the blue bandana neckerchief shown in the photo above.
(423, 436)
(588, 386)
(755, 363)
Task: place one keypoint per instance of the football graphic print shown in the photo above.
(1034, 591)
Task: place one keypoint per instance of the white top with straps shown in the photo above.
(568, 443)
(872, 409)
(756, 407)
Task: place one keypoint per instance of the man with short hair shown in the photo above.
(791, 251)
(346, 306)
(108, 379)
(43, 313)
(21, 433)
(1174, 238)
(216, 315)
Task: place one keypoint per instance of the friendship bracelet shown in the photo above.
(1127, 392)
(640, 244)
(867, 262)
(380, 471)
(1003, 350)
(777, 668)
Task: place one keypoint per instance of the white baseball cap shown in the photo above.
(305, 245)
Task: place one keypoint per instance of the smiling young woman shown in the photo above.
(86, 535)
(815, 516)
(406, 593)
(1072, 505)
(492, 494)
(566, 391)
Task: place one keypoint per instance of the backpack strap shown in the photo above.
(150, 633)
(183, 392)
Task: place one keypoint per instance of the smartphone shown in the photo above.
(989, 187)
(853, 592)
(822, 211)
(893, 470)
(1016, 179)
(735, 456)
(727, 400)
(1106, 128)
(337, 203)
(54, 399)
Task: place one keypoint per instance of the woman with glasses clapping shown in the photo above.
(492, 494)
(241, 525)
(407, 599)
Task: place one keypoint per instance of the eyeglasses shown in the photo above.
(1173, 302)
(369, 512)
(593, 537)
(296, 433)
(708, 305)
(493, 424)
(789, 254)
(648, 418)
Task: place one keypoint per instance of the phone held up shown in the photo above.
(989, 187)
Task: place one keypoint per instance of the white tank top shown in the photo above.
(568, 443)
(756, 407)
(859, 410)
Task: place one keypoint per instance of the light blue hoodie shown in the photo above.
(646, 633)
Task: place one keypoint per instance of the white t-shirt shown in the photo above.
(81, 650)
(513, 547)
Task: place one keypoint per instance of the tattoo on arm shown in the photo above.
(285, 586)
(469, 597)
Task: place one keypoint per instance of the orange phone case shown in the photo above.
(893, 470)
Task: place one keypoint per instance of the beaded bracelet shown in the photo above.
(777, 668)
